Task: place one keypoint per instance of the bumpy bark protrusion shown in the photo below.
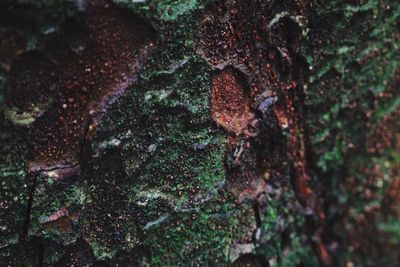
(62, 93)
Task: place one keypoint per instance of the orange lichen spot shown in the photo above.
(230, 106)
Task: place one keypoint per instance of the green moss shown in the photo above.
(173, 155)
(281, 216)
(353, 54)
(196, 237)
(354, 62)
(162, 186)
(14, 192)
(165, 10)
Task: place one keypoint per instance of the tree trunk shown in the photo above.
(199, 132)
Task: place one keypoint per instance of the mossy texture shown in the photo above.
(154, 186)
(352, 98)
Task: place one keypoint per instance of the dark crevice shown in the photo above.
(39, 251)
(256, 209)
(32, 180)
(84, 150)
(41, 255)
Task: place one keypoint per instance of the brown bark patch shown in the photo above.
(230, 106)
(63, 91)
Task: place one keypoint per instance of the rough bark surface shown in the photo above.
(190, 132)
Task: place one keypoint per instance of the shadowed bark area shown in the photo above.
(62, 95)
(199, 133)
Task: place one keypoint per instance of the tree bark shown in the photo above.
(190, 132)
